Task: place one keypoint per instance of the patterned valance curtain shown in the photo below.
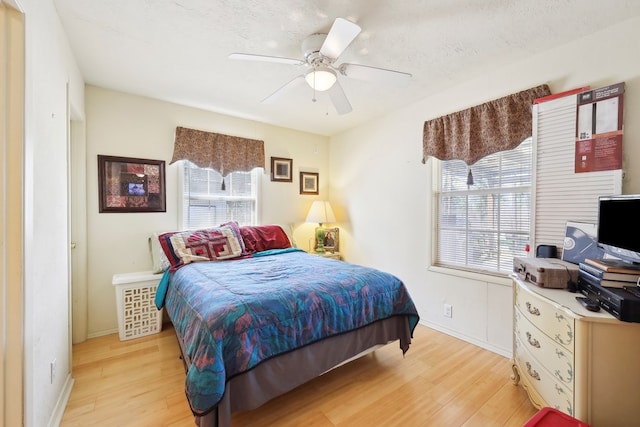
(223, 153)
(479, 131)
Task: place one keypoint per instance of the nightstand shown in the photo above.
(332, 255)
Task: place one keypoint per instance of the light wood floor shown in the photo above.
(442, 381)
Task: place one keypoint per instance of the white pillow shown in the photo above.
(288, 229)
(159, 260)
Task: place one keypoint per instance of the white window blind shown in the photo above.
(560, 194)
(206, 204)
(483, 226)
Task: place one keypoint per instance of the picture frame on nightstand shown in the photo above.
(331, 240)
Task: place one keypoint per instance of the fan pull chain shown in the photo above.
(314, 88)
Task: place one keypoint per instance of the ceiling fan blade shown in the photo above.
(340, 36)
(373, 74)
(265, 58)
(339, 99)
(282, 90)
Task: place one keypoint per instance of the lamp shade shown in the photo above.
(321, 78)
(321, 212)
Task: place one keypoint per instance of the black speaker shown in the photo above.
(546, 251)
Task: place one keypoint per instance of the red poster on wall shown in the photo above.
(599, 129)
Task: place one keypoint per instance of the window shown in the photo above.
(206, 204)
(483, 226)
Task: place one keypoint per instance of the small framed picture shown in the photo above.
(131, 185)
(309, 182)
(281, 169)
(331, 240)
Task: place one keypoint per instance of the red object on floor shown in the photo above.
(549, 417)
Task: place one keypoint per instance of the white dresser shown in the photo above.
(582, 363)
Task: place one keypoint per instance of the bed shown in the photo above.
(257, 320)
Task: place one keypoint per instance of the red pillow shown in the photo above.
(260, 238)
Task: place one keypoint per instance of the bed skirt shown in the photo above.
(275, 376)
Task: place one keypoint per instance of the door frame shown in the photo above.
(12, 102)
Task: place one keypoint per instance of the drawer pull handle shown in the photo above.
(532, 372)
(533, 310)
(532, 341)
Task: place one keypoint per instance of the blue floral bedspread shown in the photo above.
(231, 315)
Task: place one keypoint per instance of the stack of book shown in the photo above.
(610, 273)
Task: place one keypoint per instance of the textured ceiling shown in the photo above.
(178, 50)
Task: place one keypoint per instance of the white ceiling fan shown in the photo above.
(320, 54)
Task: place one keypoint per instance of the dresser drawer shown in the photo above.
(554, 394)
(546, 317)
(556, 359)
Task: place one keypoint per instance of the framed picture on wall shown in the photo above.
(309, 182)
(131, 185)
(281, 169)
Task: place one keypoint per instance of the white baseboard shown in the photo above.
(508, 353)
(102, 333)
(61, 404)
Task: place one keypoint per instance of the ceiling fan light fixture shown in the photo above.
(321, 78)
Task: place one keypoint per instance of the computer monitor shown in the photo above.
(619, 226)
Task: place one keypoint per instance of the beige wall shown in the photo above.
(130, 126)
(379, 188)
(382, 191)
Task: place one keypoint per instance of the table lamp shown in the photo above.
(321, 213)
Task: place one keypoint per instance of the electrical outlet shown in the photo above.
(52, 369)
(448, 310)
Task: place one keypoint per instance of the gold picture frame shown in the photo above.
(331, 240)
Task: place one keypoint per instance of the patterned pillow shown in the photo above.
(209, 244)
(236, 230)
